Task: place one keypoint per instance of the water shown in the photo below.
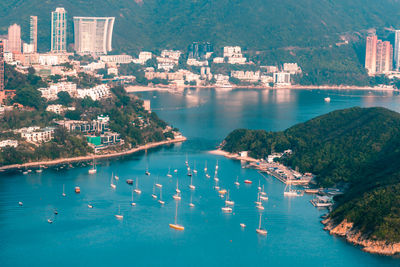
(94, 237)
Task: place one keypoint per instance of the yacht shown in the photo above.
(289, 192)
(63, 193)
(132, 203)
(119, 216)
(260, 230)
(154, 192)
(20, 203)
(237, 181)
(248, 182)
(242, 225)
(175, 225)
(90, 206)
(327, 99)
(113, 186)
(169, 173)
(160, 200)
(93, 170)
(205, 168)
(137, 190)
(229, 202)
(77, 189)
(227, 209)
(177, 187)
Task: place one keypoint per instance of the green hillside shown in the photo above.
(271, 31)
(357, 147)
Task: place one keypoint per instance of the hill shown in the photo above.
(357, 147)
(271, 31)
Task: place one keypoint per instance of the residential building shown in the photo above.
(146, 105)
(8, 142)
(87, 127)
(196, 62)
(1, 68)
(58, 109)
(8, 56)
(96, 93)
(50, 93)
(118, 59)
(36, 134)
(112, 71)
(33, 32)
(93, 35)
(269, 69)
(200, 51)
(370, 54)
(205, 73)
(397, 50)
(172, 54)
(28, 48)
(94, 66)
(248, 76)
(292, 68)
(282, 78)
(14, 39)
(219, 60)
(384, 57)
(59, 30)
(234, 55)
(167, 66)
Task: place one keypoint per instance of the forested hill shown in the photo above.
(359, 147)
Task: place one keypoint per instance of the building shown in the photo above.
(93, 35)
(8, 142)
(171, 54)
(94, 66)
(33, 32)
(87, 127)
(51, 92)
(370, 54)
(28, 48)
(200, 51)
(384, 57)
(282, 78)
(292, 68)
(397, 50)
(167, 66)
(2, 85)
(269, 69)
(234, 55)
(36, 134)
(14, 39)
(95, 93)
(59, 30)
(118, 59)
(58, 109)
(247, 76)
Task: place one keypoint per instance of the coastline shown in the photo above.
(138, 89)
(90, 157)
(346, 230)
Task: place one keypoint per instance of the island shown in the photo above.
(355, 150)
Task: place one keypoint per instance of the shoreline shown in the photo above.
(138, 89)
(90, 157)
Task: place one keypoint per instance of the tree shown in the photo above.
(64, 98)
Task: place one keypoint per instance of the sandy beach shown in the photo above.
(90, 157)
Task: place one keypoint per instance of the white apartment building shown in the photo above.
(292, 68)
(219, 60)
(269, 69)
(143, 57)
(167, 66)
(94, 66)
(50, 93)
(36, 134)
(28, 48)
(95, 93)
(249, 76)
(282, 78)
(118, 59)
(8, 142)
(172, 54)
(8, 57)
(234, 55)
(58, 108)
(195, 62)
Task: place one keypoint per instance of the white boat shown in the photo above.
(169, 173)
(226, 209)
(137, 190)
(260, 207)
(116, 177)
(205, 168)
(90, 206)
(176, 170)
(177, 187)
(263, 192)
(20, 203)
(160, 200)
(327, 99)
(159, 185)
(119, 216)
(237, 181)
(191, 202)
(175, 225)
(229, 202)
(63, 193)
(216, 166)
(191, 186)
(242, 225)
(40, 170)
(289, 192)
(260, 230)
(263, 198)
(191, 205)
(113, 186)
(132, 203)
(207, 175)
(154, 192)
(194, 168)
(93, 170)
(177, 196)
(259, 185)
(49, 220)
(25, 173)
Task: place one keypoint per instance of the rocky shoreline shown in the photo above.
(352, 235)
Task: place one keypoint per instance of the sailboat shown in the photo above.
(63, 193)
(216, 186)
(191, 202)
(137, 190)
(259, 185)
(177, 187)
(229, 202)
(237, 181)
(113, 186)
(205, 168)
(191, 186)
(216, 176)
(177, 196)
(289, 192)
(157, 184)
(160, 200)
(263, 195)
(258, 202)
(147, 169)
(20, 203)
(169, 173)
(186, 161)
(216, 166)
(175, 225)
(119, 216)
(132, 203)
(260, 230)
(194, 168)
(93, 170)
(90, 206)
(154, 192)
(116, 177)
(226, 209)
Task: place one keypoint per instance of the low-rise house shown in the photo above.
(292, 68)
(50, 93)
(248, 76)
(143, 57)
(95, 93)
(118, 59)
(8, 142)
(58, 108)
(36, 134)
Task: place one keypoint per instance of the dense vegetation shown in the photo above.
(357, 147)
(270, 31)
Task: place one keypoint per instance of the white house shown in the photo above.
(95, 93)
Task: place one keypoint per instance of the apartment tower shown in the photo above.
(59, 30)
(33, 32)
(14, 38)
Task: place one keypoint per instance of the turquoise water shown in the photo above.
(93, 237)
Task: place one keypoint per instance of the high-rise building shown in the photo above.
(199, 51)
(33, 32)
(93, 35)
(370, 54)
(14, 38)
(1, 66)
(384, 57)
(59, 30)
(397, 50)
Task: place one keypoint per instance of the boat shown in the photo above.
(63, 193)
(327, 99)
(160, 200)
(237, 181)
(258, 202)
(40, 170)
(205, 168)
(113, 186)
(29, 171)
(169, 173)
(177, 196)
(175, 225)
(194, 168)
(177, 187)
(259, 185)
(154, 192)
(55, 212)
(147, 173)
(90, 206)
(222, 191)
(260, 230)
(186, 161)
(49, 220)
(191, 202)
(159, 185)
(227, 209)
(263, 192)
(322, 202)
(77, 189)
(263, 197)
(20, 203)
(93, 170)
(289, 192)
(311, 191)
(191, 186)
(260, 207)
(25, 173)
(191, 205)
(129, 181)
(132, 203)
(248, 182)
(137, 190)
(176, 170)
(216, 166)
(116, 177)
(229, 202)
(207, 175)
(242, 225)
(119, 216)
